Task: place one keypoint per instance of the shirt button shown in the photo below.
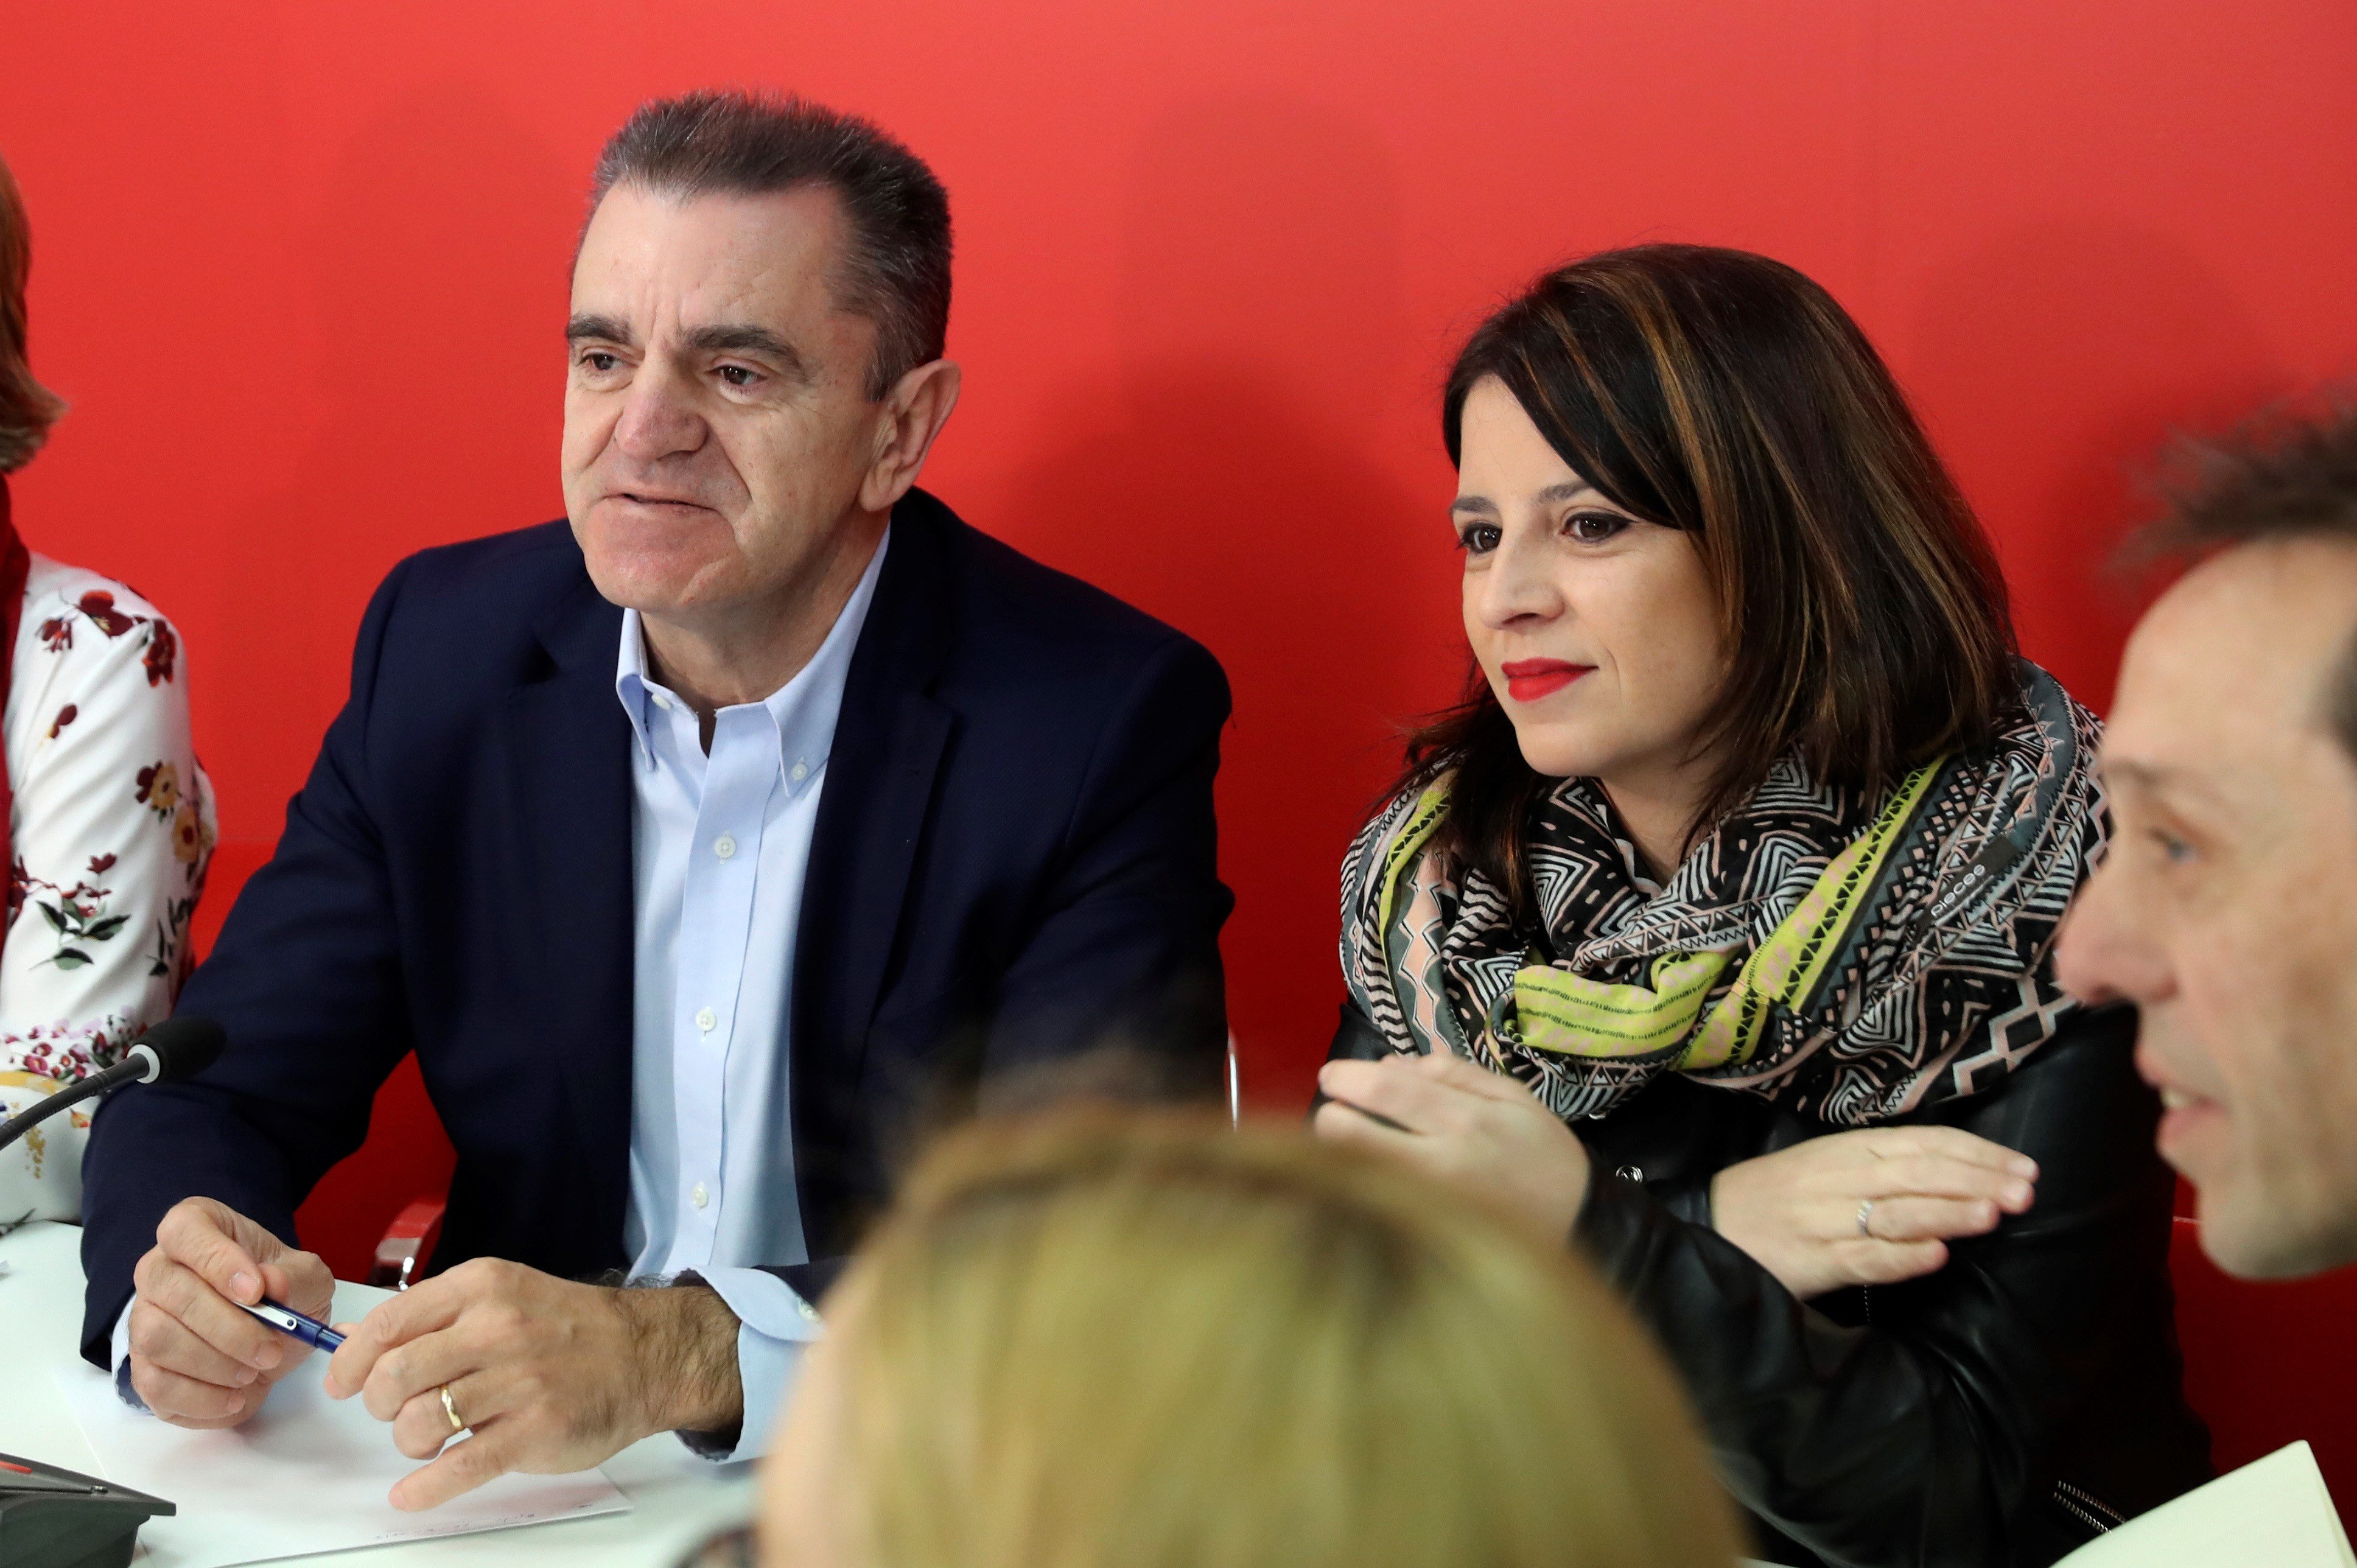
(706, 1019)
(1630, 1173)
(661, 701)
(806, 1309)
(697, 1195)
(799, 771)
(724, 847)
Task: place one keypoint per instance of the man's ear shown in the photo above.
(907, 422)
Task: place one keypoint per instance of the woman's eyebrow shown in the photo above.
(1570, 489)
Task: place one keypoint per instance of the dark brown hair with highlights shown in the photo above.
(27, 408)
(1725, 394)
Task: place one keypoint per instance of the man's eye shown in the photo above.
(1593, 527)
(598, 360)
(1479, 540)
(737, 375)
(2174, 850)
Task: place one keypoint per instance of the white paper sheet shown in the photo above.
(2272, 1513)
(308, 1474)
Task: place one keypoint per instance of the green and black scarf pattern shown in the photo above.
(1854, 955)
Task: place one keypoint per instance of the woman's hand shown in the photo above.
(1461, 1122)
(1802, 1212)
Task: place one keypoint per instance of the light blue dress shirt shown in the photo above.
(720, 843)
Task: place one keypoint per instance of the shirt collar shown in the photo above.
(804, 709)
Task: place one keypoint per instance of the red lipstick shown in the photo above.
(1528, 680)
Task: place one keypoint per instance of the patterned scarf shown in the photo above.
(1853, 955)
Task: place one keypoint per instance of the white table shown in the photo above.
(676, 1499)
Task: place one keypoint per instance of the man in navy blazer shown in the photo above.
(703, 851)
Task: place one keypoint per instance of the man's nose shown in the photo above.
(2106, 952)
(659, 418)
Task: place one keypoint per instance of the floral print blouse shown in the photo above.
(113, 829)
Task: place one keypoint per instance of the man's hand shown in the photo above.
(550, 1377)
(196, 1358)
(1869, 1207)
(1464, 1122)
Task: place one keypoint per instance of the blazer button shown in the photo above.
(1630, 1173)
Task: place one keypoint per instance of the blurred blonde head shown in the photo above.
(27, 409)
(1099, 1340)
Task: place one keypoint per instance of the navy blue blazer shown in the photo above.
(1013, 863)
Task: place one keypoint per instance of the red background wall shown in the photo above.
(301, 269)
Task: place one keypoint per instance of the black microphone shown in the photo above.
(174, 1049)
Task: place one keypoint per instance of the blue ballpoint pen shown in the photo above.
(295, 1326)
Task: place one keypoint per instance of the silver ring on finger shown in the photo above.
(1865, 1216)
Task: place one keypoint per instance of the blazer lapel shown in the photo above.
(887, 749)
(569, 761)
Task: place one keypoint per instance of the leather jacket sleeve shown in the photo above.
(1928, 1422)
(1928, 1433)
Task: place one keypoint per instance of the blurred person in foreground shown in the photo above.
(106, 819)
(701, 845)
(2227, 908)
(1714, 927)
(1110, 1341)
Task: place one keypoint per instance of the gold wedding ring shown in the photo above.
(458, 1423)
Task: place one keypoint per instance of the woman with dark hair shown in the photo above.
(106, 821)
(1714, 927)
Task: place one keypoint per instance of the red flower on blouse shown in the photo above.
(163, 648)
(160, 788)
(98, 605)
(56, 634)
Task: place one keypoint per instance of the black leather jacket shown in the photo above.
(1994, 1415)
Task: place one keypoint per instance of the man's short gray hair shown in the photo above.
(895, 268)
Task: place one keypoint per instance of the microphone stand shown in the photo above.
(136, 1068)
